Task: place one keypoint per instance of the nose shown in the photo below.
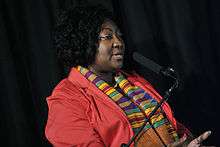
(118, 42)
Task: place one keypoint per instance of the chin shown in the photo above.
(118, 66)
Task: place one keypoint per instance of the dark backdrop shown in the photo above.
(183, 34)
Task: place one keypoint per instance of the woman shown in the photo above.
(99, 104)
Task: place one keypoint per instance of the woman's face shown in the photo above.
(110, 52)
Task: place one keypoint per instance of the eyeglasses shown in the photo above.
(105, 37)
(109, 37)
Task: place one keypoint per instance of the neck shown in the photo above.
(107, 76)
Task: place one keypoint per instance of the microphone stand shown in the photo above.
(169, 72)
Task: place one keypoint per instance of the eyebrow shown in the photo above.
(107, 29)
(117, 30)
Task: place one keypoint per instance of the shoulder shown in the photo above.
(65, 86)
(72, 88)
(66, 90)
(67, 96)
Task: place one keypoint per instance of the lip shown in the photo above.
(118, 56)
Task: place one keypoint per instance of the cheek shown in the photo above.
(104, 51)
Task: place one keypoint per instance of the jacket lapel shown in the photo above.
(91, 90)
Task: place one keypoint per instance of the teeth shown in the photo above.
(118, 55)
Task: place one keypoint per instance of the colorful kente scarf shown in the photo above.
(134, 101)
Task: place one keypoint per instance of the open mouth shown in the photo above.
(118, 56)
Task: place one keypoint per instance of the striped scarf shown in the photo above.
(134, 101)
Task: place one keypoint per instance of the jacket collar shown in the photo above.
(91, 89)
(81, 81)
(84, 83)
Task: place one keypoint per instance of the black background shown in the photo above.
(184, 34)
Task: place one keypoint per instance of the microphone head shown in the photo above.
(146, 62)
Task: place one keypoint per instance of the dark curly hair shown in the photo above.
(75, 35)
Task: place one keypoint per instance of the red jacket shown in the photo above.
(81, 115)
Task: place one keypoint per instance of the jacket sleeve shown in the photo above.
(182, 130)
(67, 123)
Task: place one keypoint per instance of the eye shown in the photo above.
(106, 37)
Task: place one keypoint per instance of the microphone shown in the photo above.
(154, 66)
(147, 62)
